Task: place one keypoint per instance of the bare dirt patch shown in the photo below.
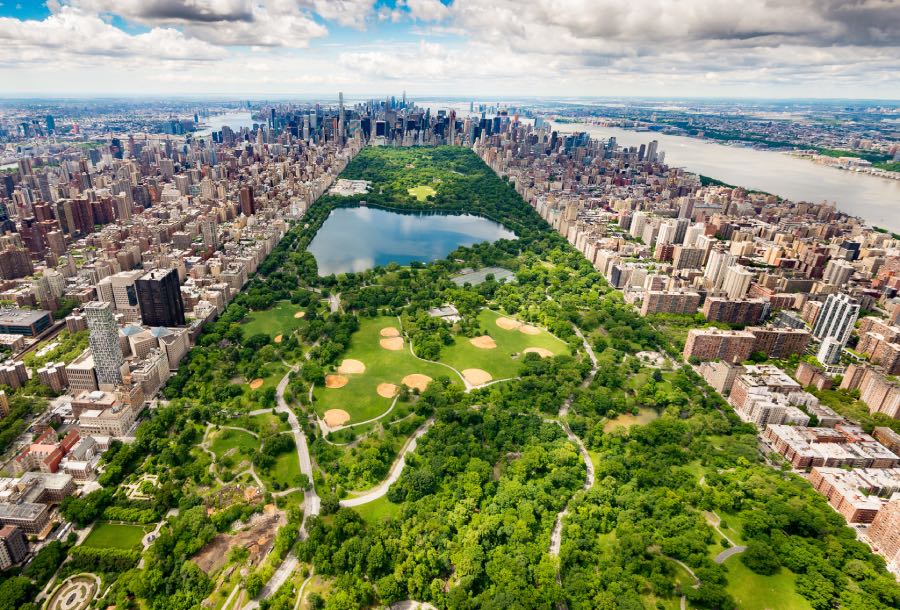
(528, 329)
(335, 381)
(417, 381)
(508, 323)
(540, 351)
(257, 539)
(351, 367)
(483, 342)
(256, 384)
(300, 314)
(394, 344)
(336, 417)
(279, 338)
(477, 376)
(387, 390)
(390, 331)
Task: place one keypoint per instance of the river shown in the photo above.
(235, 120)
(877, 200)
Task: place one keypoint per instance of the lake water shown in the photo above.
(877, 200)
(357, 239)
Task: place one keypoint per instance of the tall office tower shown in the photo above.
(651, 150)
(341, 124)
(452, 139)
(210, 232)
(247, 204)
(837, 318)
(737, 281)
(718, 264)
(159, 293)
(104, 339)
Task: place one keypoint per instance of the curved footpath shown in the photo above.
(396, 470)
(311, 501)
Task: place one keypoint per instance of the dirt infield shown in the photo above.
(477, 376)
(351, 367)
(387, 390)
(394, 344)
(335, 381)
(390, 331)
(528, 329)
(540, 351)
(336, 417)
(300, 314)
(417, 381)
(256, 384)
(279, 338)
(508, 323)
(483, 342)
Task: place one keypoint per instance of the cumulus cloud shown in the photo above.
(70, 32)
(221, 22)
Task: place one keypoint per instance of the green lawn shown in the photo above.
(422, 192)
(379, 510)
(116, 536)
(752, 591)
(506, 359)
(279, 320)
(284, 474)
(359, 397)
(226, 439)
(626, 420)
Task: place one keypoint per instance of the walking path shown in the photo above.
(556, 534)
(396, 470)
(715, 521)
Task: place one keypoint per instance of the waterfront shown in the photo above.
(235, 120)
(877, 200)
(357, 239)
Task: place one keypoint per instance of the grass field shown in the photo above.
(379, 510)
(422, 192)
(284, 473)
(225, 440)
(273, 322)
(116, 536)
(359, 397)
(626, 420)
(752, 591)
(505, 360)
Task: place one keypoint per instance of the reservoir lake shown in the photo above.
(361, 238)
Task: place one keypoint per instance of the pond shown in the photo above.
(361, 238)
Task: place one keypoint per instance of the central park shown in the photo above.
(423, 432)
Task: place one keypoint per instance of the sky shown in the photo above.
(464, 48)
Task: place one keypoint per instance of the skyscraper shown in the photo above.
(247, 205)
(159, 293)
(104, 339)
(836, 318)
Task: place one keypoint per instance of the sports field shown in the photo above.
(116, 536)
(504, 360)
(278, 320)
(359, 395)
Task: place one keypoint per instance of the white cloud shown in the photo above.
(69, 33)
(427, 10)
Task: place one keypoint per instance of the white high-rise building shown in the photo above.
(838, 272)
(638, 222)
(837, 318)
(737, 281)
(718, 264)
(104, 339)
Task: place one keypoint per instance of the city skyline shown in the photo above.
(465, 47)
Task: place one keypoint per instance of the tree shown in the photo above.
(761, 558)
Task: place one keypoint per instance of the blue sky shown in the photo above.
(488, 48)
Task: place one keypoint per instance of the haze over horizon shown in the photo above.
(803, 48)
